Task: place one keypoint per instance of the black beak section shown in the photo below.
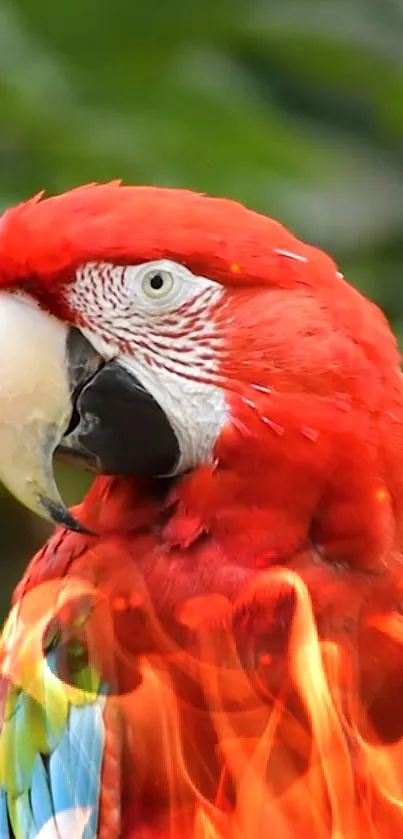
(117, 427)
(60, 515)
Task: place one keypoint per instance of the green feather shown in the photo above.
(20, 813)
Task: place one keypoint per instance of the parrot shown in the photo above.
(209, 645)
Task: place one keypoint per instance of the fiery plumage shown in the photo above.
(218, 652)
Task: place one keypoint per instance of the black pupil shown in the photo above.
(156, 282)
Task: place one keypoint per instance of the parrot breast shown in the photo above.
(185, 690)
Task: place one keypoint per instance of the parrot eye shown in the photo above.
(157, 284)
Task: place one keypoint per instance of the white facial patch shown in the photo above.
(157, 319)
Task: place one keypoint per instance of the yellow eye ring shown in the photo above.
(157, 284)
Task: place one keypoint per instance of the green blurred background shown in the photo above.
(292, 106)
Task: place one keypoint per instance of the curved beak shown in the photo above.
(58, 395)
(36, 384)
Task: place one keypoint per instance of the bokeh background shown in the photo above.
(292, 106)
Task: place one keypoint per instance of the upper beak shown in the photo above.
(35, 402)
(57, 394)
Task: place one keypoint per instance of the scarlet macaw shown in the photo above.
(210, 644)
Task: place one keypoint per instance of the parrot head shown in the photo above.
(150, 331)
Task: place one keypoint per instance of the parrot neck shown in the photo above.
(230, 507)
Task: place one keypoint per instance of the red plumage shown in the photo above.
(44, 239)
(307, 477)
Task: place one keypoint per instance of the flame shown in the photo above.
(230, 733)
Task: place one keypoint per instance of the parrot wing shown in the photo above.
(52, 736)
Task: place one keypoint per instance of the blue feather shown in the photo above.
(4, 829)
(62, 766)
(41, 801)
(87, 730)
(75, 765)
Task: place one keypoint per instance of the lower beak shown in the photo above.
(58, 395)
